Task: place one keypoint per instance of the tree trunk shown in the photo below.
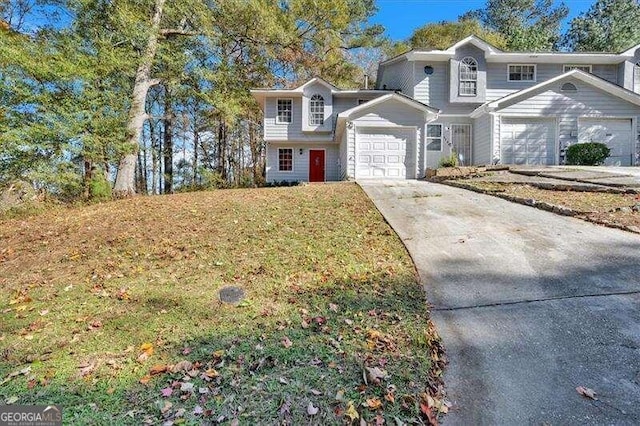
(125, 181)
(168, 145)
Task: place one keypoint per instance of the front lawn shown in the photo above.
(112, 311)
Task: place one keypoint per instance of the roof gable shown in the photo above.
(385, 98)
(582, 76)
(319, 81)
(477, 42)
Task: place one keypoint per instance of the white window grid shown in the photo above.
(468, 84)
(522, 73)
(316, 110)
(285, 111)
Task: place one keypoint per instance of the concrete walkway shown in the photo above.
(529, 304)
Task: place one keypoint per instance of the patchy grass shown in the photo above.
(96, 299)
(593, 206)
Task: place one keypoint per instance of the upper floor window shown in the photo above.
(362, 101)
(316, 110)
(468, 81)
(285, 111)
(636, 78)
(522, 73)
(585, 68)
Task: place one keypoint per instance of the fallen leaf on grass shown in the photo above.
(286, 342)
(86, 368)
(333, 307)
(145, 379)
(186, 351)
(428, 412)
(166, 392)
(146, 351)
(158, 369)
(10, 376)
(182, 366)
(186, 387)
(351, 413)
(586, 392)
(373, 403)
(374, 375)
(311, 410)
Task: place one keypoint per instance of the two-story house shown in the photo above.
(485, 105)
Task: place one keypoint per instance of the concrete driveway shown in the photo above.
(529, 304)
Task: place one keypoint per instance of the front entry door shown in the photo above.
(316, 165)
(461, 141)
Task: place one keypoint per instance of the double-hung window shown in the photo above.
(585, 68)
(522, 73)
(434, 137)
(316, 110)
(468, 77)
(285, 111)
(285, 159)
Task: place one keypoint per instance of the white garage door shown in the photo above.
(616, 134)
(385, 153)
(528, 141)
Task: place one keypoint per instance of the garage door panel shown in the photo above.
(617, 134)
(528, 141)
(385, 152)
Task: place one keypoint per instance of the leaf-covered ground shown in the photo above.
(600, 207)
(112, 311)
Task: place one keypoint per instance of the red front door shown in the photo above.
(316, 165)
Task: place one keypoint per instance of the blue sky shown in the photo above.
(401, 17)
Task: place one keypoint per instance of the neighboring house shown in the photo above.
(485, 105)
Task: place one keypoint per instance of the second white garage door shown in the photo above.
(385, 153)
(616, 134)
(528, 141)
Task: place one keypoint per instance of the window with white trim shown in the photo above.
(434, 137)
(285, 111)
(362, 101)
(636, 77)
(585, 68)
(285, 159)
(316, 110)
(522, 73)
(468, 77)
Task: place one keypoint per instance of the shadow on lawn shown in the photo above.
(270, 368)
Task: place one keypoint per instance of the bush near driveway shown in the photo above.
(587, 154)
(112, 311)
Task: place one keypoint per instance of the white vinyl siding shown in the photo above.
(482, 140)
(289, 132)
(433, 89)
(398, 76)
(587, 101)
(521, 72)
(300, 171)
(498, 86)
(390, 115)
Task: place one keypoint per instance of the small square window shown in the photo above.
(285, 111)
(285, 159)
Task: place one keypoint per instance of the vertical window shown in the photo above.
(468, 82)
(285, 159)
(284, 111)
(316, 110)
(636, 78)
(434, 137)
